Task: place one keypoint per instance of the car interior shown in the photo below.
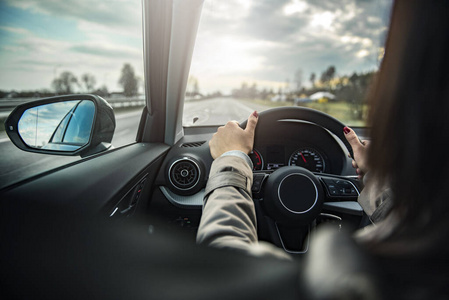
(303, 177)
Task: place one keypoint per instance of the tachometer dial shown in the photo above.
(308, 158)
(257, 160)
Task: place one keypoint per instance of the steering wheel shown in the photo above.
(290, 199)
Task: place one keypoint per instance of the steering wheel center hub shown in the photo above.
(297, 193)
(293, 195)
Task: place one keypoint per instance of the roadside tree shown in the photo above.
(129, 81)
(65, 83)
(89, 82)
(327, 76)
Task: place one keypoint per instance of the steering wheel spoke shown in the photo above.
(339, 188)
(294, 239)
(259, 178)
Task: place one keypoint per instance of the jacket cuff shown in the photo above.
(240, 154)
(229, 171)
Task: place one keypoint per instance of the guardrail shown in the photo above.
(8, 104)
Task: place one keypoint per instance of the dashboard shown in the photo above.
(180, 184)
(185, 169)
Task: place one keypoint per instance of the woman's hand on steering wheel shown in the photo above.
(232, 137)
(360, 149)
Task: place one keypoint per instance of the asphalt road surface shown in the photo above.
(218, 111)
(16, 165)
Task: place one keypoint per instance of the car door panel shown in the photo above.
(94, 184)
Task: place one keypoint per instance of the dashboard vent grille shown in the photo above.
(184, 174)
(192, 145)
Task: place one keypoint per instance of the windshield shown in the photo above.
(254, 55)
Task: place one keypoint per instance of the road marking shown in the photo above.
(4, 140)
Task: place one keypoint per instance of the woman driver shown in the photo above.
(407, 154)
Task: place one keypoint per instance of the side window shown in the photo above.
(68, 48)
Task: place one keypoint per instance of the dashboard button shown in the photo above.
(339, 187)
(257, 182)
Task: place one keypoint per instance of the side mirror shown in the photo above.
(63, 125)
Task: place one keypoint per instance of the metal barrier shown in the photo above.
(8, 104)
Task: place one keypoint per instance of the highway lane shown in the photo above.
(218, 111)
(16, 165)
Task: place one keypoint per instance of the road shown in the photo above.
(16, 165)
(218, 111)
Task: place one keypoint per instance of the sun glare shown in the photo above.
(295, 6)
(362, 53)
(324, 20)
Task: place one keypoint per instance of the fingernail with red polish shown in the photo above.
(346, 130)
(255, 114)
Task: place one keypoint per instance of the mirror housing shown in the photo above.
(98, 139)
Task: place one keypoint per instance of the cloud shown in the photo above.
(33, 63)
(295, 6)
(47, 37)
(14, 30)
(114, 14)
(294, 34)
(225, 10)
(106, 50)
(253, 40)
(113, 21)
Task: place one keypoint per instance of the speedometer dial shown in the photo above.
(257, 160)
(308, 158)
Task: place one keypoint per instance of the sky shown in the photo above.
(254, 41)
(39, 39)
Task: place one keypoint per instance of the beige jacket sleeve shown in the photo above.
(375, 200)
(229, 218)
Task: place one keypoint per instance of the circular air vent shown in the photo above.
(184, 174)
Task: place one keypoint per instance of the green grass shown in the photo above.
(339, 110)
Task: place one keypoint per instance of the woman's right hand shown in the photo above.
(359, 148)
(232, 137)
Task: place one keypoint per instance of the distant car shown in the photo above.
(298, 101)
(322, 95)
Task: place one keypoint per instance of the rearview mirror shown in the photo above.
(64, 125)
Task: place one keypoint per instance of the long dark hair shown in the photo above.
(409, 118)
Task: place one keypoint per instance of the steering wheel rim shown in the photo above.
(305, 114)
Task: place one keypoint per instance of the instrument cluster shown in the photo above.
(276, 157)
